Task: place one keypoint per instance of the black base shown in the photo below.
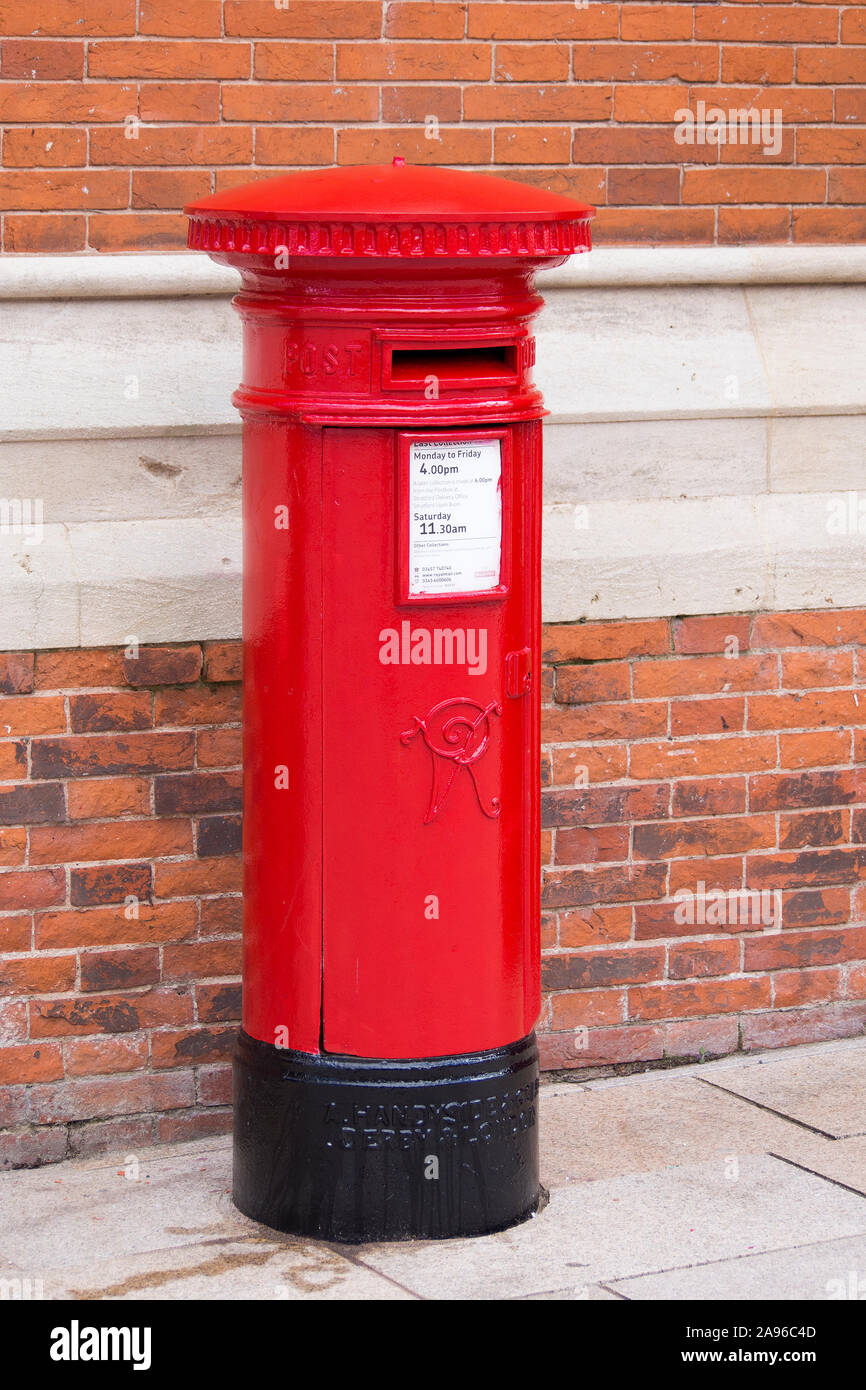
(347, 1149)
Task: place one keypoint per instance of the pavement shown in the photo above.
(743, 1178)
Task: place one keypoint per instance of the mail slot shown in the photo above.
(386, 1074)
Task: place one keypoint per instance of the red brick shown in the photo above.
(582, 846)
(707, 997)
(790, 1027)
(463, 145)
(788, 791)
(222, 661)
(772, 22)
(119, 1136)
(594, 926)
(603, 805)
(32, 714)
(218, 835)
(501, 103)
(659, 62)
(90, 1098)
(23, 804)
(815, 750)
(110, 1013)
(625, 883)
(218, 1003)
(604, 1047)
(218, 747)
(179, 101)
(643, 186)
(742, 226)
(591, 1008)
(319, 101)
(689, 961)
(30, 1148)
(813, 828)
(84, 102)
(808, 867)
(806, 711)
(16, 932)
(704, 675)
(702, 756)
(764, 185)
(220, 59)
(31, 888)
(826, 907)
(700, 1039)
(183, 19)
(215, 1085)
(531, 144)
(577, 685)
(129, 231)
(414, 19)
(182, 1125)
(531, 62)
(88, 667)
(793, 987)
(13, 1025)
(708, 796)
(191, 1046)
(44, 232)
(40, 974)
(836, 64)
(44, 147)
(38, 60)
(554, 19)
(344, 19)
(187, 877)
(107, 798)
(588, 763)
(704, 875)
(828, 628)
(599, 969)
(200, 704)
(69, 17)
(605, 641)
(202, 959)
(705, 635)
(707, 716)
(127, 969)
(30, 1062)
(109, 883)
(100, 755)
(636, 102)
(13, 845)
(89, 1056)
(782, 950)
(163, 666)
(604, 721)
(757, 63)
(721, 835)
(662, 226)
(196, 792)
(111, 926)
(220, 916)
(95, 714)
(658, 21)
(416, 103)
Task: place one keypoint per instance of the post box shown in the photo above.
(386, 1074)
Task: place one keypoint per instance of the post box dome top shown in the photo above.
(391, 210)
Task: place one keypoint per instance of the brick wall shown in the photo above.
(119, 897)
(116, 112)
(723, 750)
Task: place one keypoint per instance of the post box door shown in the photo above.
(430, 876)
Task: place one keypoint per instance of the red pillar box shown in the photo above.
(386, 1074)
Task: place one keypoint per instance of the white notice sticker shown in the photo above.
(455, 516)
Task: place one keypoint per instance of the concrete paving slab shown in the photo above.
(842, 1161)
(829, 1270)
(593, 1132)
(827, 1093)
(607, 1230)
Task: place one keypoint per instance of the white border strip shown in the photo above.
(189, 273)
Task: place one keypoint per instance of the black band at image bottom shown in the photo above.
(348, 1149)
